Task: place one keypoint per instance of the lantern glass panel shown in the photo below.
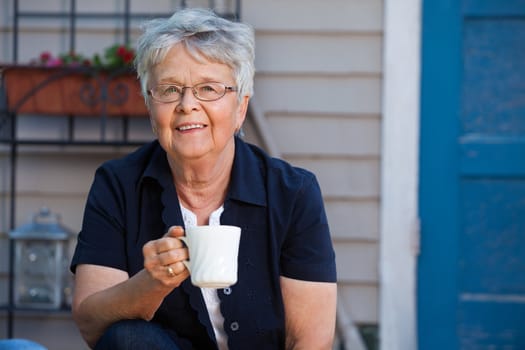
(41, 259)
(38, 273)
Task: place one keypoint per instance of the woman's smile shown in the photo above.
(190, 127)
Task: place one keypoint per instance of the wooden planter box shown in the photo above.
(81, 91)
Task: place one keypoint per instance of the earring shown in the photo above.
(239, 132)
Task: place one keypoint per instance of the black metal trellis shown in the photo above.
(8, 116)
(126, 15)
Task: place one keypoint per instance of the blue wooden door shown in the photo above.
(471, 270)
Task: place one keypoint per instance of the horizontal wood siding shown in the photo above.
(319, 93)
(314, 15)
(353, 218)
(318, 83)
(347, 53)
(327, 135)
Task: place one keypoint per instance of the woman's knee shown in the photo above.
(135, 334)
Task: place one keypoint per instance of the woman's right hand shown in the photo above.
(163, 258)
(104, 295)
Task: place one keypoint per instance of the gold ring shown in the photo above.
(171, 273)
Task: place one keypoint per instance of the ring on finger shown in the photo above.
(170, 271)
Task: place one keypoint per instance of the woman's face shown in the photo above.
(190, 129)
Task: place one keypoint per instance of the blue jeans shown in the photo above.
(19, 344)
(138, 334)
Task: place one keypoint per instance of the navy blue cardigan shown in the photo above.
(284, 233)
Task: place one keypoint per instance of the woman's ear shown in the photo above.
(241, 111)
(153, 126)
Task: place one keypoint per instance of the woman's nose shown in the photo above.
(188, 101)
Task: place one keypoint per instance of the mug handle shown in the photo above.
(185, 262)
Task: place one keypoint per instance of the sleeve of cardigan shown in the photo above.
(307, 252)
(101, 240)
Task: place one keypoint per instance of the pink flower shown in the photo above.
(115, 56)
(54, 62)
(45, 56)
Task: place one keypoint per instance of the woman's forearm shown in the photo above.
(136, 298)
(310, 312)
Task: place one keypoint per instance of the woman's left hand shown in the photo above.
(163, 258)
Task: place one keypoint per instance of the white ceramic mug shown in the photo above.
(213, 252)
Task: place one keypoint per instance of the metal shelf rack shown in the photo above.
(8, 114)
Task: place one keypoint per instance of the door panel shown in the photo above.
(493, 76)
(491, 308)
(492, 244)
(476, 237)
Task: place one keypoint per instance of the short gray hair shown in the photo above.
(205, 35)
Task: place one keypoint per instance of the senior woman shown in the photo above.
(132, 290)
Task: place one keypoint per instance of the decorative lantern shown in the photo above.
(41, 262)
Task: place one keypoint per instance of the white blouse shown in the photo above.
(210, 296)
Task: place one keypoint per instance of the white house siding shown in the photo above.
(318, 86)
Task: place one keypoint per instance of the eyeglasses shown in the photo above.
(209, 91)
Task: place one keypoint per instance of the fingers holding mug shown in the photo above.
(162, 259)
